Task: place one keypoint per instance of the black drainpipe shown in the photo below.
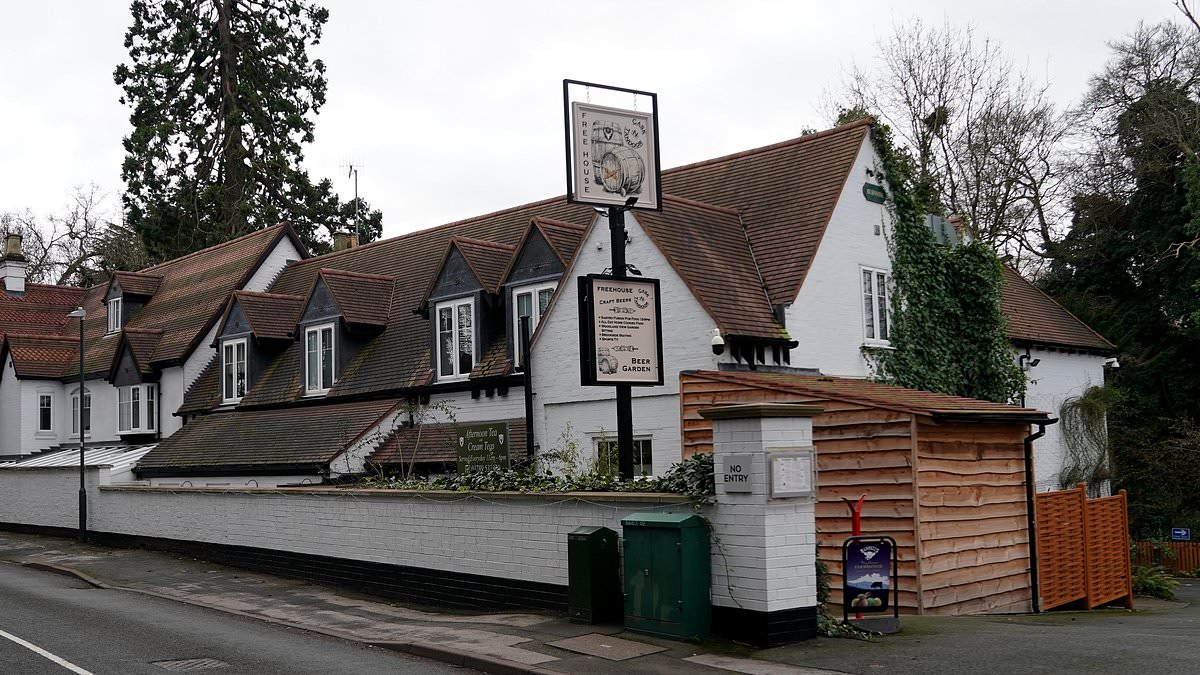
(527, 366)
(1030, 489)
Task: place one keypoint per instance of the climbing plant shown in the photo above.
(1085, 433)
(947, 332)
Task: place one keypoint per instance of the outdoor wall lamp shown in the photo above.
(718, 342)
(1026, 361)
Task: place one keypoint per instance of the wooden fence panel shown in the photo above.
(1174, 556)
(1062, 576)
(1083, 548)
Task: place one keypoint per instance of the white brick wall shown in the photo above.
(1058, 376)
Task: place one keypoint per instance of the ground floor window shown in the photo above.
(45, 412)
(607, 462)
(87, 412)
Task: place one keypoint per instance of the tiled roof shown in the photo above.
(436, 444)
(42, 310)
(205, 393)
(707, 246)
(40, 356)
(138, 283)
(1035, 317)
(271, 316)
(870, 393)
(488, 260)
(785, 194)
(398, 357)
(495, 360)
(362, 298)
(314, 436)
(564, 238)
(142, 342)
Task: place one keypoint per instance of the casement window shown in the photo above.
(45, 412)
(530, 301)
(876, 323)
(318, 359)
(114, 315)
(87, 412)
(135, 409)
(233, 370)
(608, 462)
(455, 338)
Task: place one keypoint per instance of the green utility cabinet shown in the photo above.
(668, 573)
(593, 575)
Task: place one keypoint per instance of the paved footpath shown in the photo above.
(1159, 637)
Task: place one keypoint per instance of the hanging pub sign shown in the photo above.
(620, 331)
(482, 447)
(869, 574)
(612, 153)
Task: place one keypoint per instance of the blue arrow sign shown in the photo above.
(1181, 533)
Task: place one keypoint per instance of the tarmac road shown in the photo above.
(69, 626)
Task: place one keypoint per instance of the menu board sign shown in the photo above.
(620, 323)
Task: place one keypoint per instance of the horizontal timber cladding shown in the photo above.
(952, 494)
(859, 449)
(974, 525)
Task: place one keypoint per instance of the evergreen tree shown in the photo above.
(223, 95)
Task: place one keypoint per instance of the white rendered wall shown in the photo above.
(1057, 377)
(11, 419)
(687, 331)
(827, 315)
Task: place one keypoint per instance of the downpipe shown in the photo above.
(1030, 490)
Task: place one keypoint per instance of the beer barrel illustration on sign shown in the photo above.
(613, 156)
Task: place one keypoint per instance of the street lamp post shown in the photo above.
(80, 313)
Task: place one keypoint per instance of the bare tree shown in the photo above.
(986, 138)
(77, 245)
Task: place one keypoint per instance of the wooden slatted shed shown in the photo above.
(947, 477)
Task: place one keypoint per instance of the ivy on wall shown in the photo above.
(948, 334)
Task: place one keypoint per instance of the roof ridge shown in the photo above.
(214, 247)
(868, 121)
(701, 205)
(360, 275)
(559, 223)
(142, 274)
(128, 329)
(34, 336)
(264, 294)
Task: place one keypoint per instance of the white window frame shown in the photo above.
(878, 314)
(141, 402)
(456, 331)
(229, 393)
(114, 315)
(87, 406)
(48, 417)
(536, 317)
(320, 386)
(638, 449)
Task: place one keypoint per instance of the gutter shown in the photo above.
(1030, 512)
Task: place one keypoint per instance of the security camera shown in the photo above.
(1112, 363)
(718, 342)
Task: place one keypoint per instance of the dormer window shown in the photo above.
(318, 359)
(114, 315)
(530, 301)
(455, 338)
(233, 370)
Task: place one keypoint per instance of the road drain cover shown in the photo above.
(188, 665)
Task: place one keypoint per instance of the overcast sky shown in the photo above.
(454, 109)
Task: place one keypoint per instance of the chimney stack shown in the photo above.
(12, 265)
(344, 240)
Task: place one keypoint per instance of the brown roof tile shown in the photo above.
(315, 435)
(42, 310)
(436, 444)
(142, 343)
(785, 194)
(363, 299)
(271, 316)
(488, 260)
(40, 356)
(871, 393)
(205, 393)
(564, 238)
(1034, 317)
(138, 283)
(708, 248)
(495, 360)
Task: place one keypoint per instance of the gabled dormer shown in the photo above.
(532, 277)
(136, 382)
(342, 313)
(465, 306)
(254, 328)
(128, 292)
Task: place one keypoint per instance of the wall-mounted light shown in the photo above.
(1026, 361)
(1112, 363)
(717, 342)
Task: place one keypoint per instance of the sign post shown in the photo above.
(613, 161)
